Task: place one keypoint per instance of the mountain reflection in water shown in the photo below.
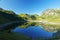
(33, 30)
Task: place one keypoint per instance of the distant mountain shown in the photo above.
(1, 9)
(51, 13)
(51, 19)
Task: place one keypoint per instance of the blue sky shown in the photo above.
(29, 6)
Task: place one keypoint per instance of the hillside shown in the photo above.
(8, 16)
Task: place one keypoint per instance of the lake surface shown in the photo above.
(33, 30)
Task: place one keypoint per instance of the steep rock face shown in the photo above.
(51, 19)
(51, 13)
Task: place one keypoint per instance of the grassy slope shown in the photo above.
(13, 36)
